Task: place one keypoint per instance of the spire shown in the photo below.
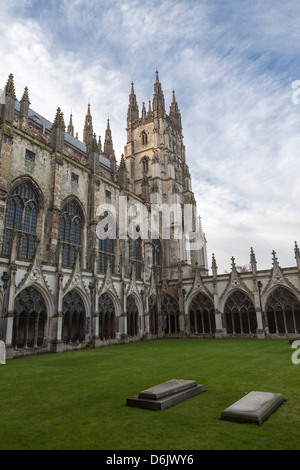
(214, 267)
(59, 120)
(144, 113)
(277, 274)
(175, 115)
(122, 163)
(253, 263)
(25, 96)
(95, 144)
(158, 99)
(58, 131)
(70, 126)
(10, 87)
(88, 132)
(108, 143)
(99, 145)
(275, 260)
(297, 255)
(122, 173)
(133, 109)
(24, 103)
(9, 99)
(156, 78)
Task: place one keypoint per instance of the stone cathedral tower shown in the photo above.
(156, 164)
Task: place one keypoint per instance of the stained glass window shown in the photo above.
(22, 216)
(71, 225)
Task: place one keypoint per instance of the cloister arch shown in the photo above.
(202, 315)
(240, 314)
(282, 310)
(74, 318)
(107, 317)
(132, 316)
(30, 319)
(170, 315)
(153, 315)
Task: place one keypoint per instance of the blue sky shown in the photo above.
(231, 63)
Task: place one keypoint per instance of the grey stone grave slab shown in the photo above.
(255, 407)
(166, 394)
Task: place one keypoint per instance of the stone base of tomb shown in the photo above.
(255, 407)
(166, 395)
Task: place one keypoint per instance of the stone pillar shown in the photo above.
(97, 341)
(147, 315)
(260, 330)
(122, 334)
(220, 330)
(56, 343)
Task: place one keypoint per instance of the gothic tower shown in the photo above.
(155, 153)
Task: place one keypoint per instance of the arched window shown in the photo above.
(145, 164)
(107, 246)
(73, 318)
(30, 316)
(135, 256)
(240, 314)
(153, 319)
(170, 315)
(144, 138)
(107, 328)
(21, 216)
(157, 256)
(132, 316)
(283, 312)
(71, 226)
(202, 315)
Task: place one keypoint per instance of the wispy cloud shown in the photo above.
(231, 64)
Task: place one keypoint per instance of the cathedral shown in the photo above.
(79, 265)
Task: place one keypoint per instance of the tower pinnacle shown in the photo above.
(88, 133)
(158, 99)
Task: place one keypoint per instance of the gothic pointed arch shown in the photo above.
(135, 256)
(30, 319)
(157, 256)
(240, 314)
(153, 315)
(74, 317)
(170, 315)
(107, 317)
(132, 316)
(107, 243)
(202, 315)
(22, 218)
(282, 311)
(71, 230)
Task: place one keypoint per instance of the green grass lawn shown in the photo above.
(77, 400)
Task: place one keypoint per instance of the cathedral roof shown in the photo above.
(68, 138)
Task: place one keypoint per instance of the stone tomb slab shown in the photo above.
(255, 407)
(166, 394)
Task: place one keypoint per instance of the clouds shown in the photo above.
(231, 64)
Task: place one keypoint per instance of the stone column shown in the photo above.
(260, 330)
(122, 335)
(97, 341)
(10, 308)
(220, 331)
(56, 344)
